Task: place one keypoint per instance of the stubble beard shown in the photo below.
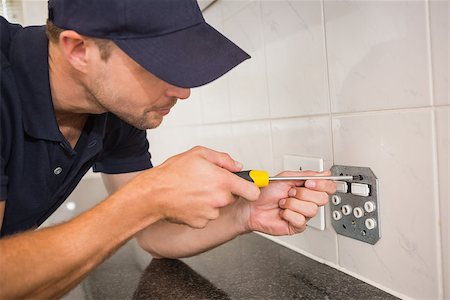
(148, 120)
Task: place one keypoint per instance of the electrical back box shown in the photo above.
(355, 207)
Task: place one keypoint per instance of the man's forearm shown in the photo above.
(49, 262)
(169, 240)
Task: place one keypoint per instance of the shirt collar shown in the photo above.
(29, 58)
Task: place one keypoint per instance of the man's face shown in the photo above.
(123, 87)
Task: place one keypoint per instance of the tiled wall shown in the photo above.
(361, 83)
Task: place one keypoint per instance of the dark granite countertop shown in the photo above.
(249, 267)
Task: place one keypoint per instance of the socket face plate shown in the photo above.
(296, 163)
(350, 225)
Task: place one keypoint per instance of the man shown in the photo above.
(83, 97)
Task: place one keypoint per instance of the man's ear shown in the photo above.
(74, 47)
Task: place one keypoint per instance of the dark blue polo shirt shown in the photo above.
(39, 169)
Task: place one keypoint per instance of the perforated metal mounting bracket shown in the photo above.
(355, 206)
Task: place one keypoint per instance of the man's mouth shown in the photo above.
(163, 111)
(166, 109)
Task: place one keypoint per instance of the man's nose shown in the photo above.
(178, 92)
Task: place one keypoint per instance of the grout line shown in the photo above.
(226, 76)
(330, 113)
(437, 209)
(266, 72)
(237, 11)
(377, 111)
(429, 50)
(248, 121)
(263, 36)
(442, 105)
(305, 117)
(208, 5)
(344, 114)
(439, 250)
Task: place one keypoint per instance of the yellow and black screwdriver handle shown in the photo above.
(260, 178)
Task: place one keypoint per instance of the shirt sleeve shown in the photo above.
(126, 149)
(7, 31)
(5, 120)
(3, 181)
(3, 144)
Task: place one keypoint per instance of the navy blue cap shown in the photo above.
(169, 38)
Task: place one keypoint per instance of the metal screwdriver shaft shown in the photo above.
(261, 178)
(281, 178)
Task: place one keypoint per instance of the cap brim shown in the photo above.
(187, 58)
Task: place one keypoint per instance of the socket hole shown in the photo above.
(343, 225)
(363, 232)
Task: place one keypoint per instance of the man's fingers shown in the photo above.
(233, 183)
(307, 209)
(297, 222)
(220, 159)
(327, 186)
(243, 188)
(306, 194)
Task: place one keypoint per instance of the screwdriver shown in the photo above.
(262, 179)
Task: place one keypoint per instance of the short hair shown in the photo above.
(105, 46)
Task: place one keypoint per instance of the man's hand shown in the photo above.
(191, 187)
(285, 207)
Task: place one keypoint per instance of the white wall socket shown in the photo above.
(296, 163)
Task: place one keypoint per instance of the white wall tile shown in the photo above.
(293, 34)
(12, 11)
(169, 141)
(204, 3)
(217, 137)
(186, 112)
(247, 82)
(215, 95)
(443, 143)
(377, 54)
(439, 13)
(35, 12)
(213, 15)
(253, 145)
(310, 137)
(397, 146)
(216, 101)
(232, 7)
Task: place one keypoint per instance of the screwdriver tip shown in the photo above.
(357, 177)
